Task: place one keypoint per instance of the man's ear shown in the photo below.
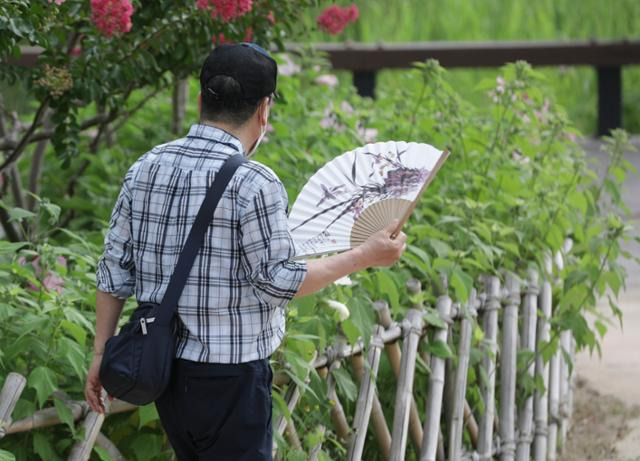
(263, 111)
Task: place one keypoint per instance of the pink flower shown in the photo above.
(112, 17)
(289, 67)
(334, 19)
(271, 17)
(346, 108)
(51, 280)
(367, 134)
(57, 2)
(327, 79)
(225, 9)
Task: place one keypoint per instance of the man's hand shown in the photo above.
(93, 387)
(380, 250)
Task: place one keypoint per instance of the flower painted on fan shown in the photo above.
(334, 18)
(112, 17)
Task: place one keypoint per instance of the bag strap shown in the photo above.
(169, 303)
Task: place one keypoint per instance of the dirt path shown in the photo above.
(607, 411)
(602, 426)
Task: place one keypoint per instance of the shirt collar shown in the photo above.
(212, 133)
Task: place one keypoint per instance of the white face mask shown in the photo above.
(263, 131)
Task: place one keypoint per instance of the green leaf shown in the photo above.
(43, 447)
(147, 414)
(11, 247)
(6, 456)
(73, 354)
(433, 318)
(52, 210)
(440, 349)
(75, 331)
(102, 453)
(18, 214)
(65, 414)
(388, 287)
(461, 284)
(43, 380)
(345, 383)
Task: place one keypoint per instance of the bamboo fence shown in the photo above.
(511, 318)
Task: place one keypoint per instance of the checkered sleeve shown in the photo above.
(116, 269)
(267, 248)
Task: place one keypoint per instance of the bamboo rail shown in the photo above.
(537, 425)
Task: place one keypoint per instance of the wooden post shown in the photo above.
(508, 368)
(540, 399)
(9, 396)
(412, 329)
(383, 436)
(468, 313)
(92, 424)
(490, 328)
(528, 343)
(395, 357)
(431, 426)
(366, 397)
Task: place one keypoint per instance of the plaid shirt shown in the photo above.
(232, 306)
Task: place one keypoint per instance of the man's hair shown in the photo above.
(223, 101)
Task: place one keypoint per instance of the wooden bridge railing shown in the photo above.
(535, 427)
(364, 60)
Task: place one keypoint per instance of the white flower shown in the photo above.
(326, 79)
(346, 108)
(346, 281)
(341, 309)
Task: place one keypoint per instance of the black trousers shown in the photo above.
(214, 411)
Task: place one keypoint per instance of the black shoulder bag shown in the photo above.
(136, 365)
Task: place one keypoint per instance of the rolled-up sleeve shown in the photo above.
(116, 269)
(267, 249)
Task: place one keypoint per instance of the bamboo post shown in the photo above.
(471, 424)
(431, 427)
(554, 405)
(508, 368)
(565, 385)
(9, 396)
(366, 397)
(395, 357)
(528, 343)
(383, 436)
(468, 312)
(540, 399)
(412, 329)
(338, 416)
(107, 445)
(92, 424)
(490, 328)
(291, 434)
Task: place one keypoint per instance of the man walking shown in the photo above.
(232, 310)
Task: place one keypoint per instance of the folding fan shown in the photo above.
(359, 193)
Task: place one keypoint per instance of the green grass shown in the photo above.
(478, 20)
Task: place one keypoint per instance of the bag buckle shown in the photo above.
(143, 323)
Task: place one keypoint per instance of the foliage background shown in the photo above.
(516, 185)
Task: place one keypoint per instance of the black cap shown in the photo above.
(249, 64)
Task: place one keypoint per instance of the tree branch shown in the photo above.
(36, 166)
(25, 139)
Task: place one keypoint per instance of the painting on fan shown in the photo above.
(360, 192)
